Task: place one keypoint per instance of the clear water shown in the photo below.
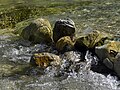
(101, 15)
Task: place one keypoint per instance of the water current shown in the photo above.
(102, 15)
(84, 79)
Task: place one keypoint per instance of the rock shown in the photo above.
(117, 64)
(108, 50)
(108, 63)
(110, 55)
(45, 59)
(63, 28)
(21, 25)
(38, 31)
(90, 40)
(65, 44)
(118, 56)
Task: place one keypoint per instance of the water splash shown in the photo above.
(71, 75)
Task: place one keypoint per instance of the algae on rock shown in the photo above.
(38, 31)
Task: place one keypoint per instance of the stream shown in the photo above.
(103, 15)
(82, 80)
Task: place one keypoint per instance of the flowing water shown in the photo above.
(103, 15)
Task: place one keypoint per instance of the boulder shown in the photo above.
(90, 40)
(38, 31)
(45, 59)
(63, 28)
(65, 44)
(109, 54)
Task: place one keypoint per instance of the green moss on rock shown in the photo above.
(38, 31)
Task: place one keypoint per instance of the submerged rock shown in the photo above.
(12, 69)
(38, 31)
(65, 44)
(90, 40)
(63, 28)
(45, 59)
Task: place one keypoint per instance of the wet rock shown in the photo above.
(108, 63)
(21, 25)
(101, 68)
(38, 31)
(45, 59)
(117, 64)
(108, 50)
(63, 28)
(90, 40)
(110, 55)
(65, 44)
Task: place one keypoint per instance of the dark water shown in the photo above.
(103, 15)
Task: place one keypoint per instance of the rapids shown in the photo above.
(84, 79)
(103, 15)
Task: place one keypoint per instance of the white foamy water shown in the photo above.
(83, 79)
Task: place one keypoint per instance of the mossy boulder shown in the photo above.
(63, 27)
(109, 54)
(90, 40)
(38, 31)
(65, 44)
(45, 59)
(21, 25)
